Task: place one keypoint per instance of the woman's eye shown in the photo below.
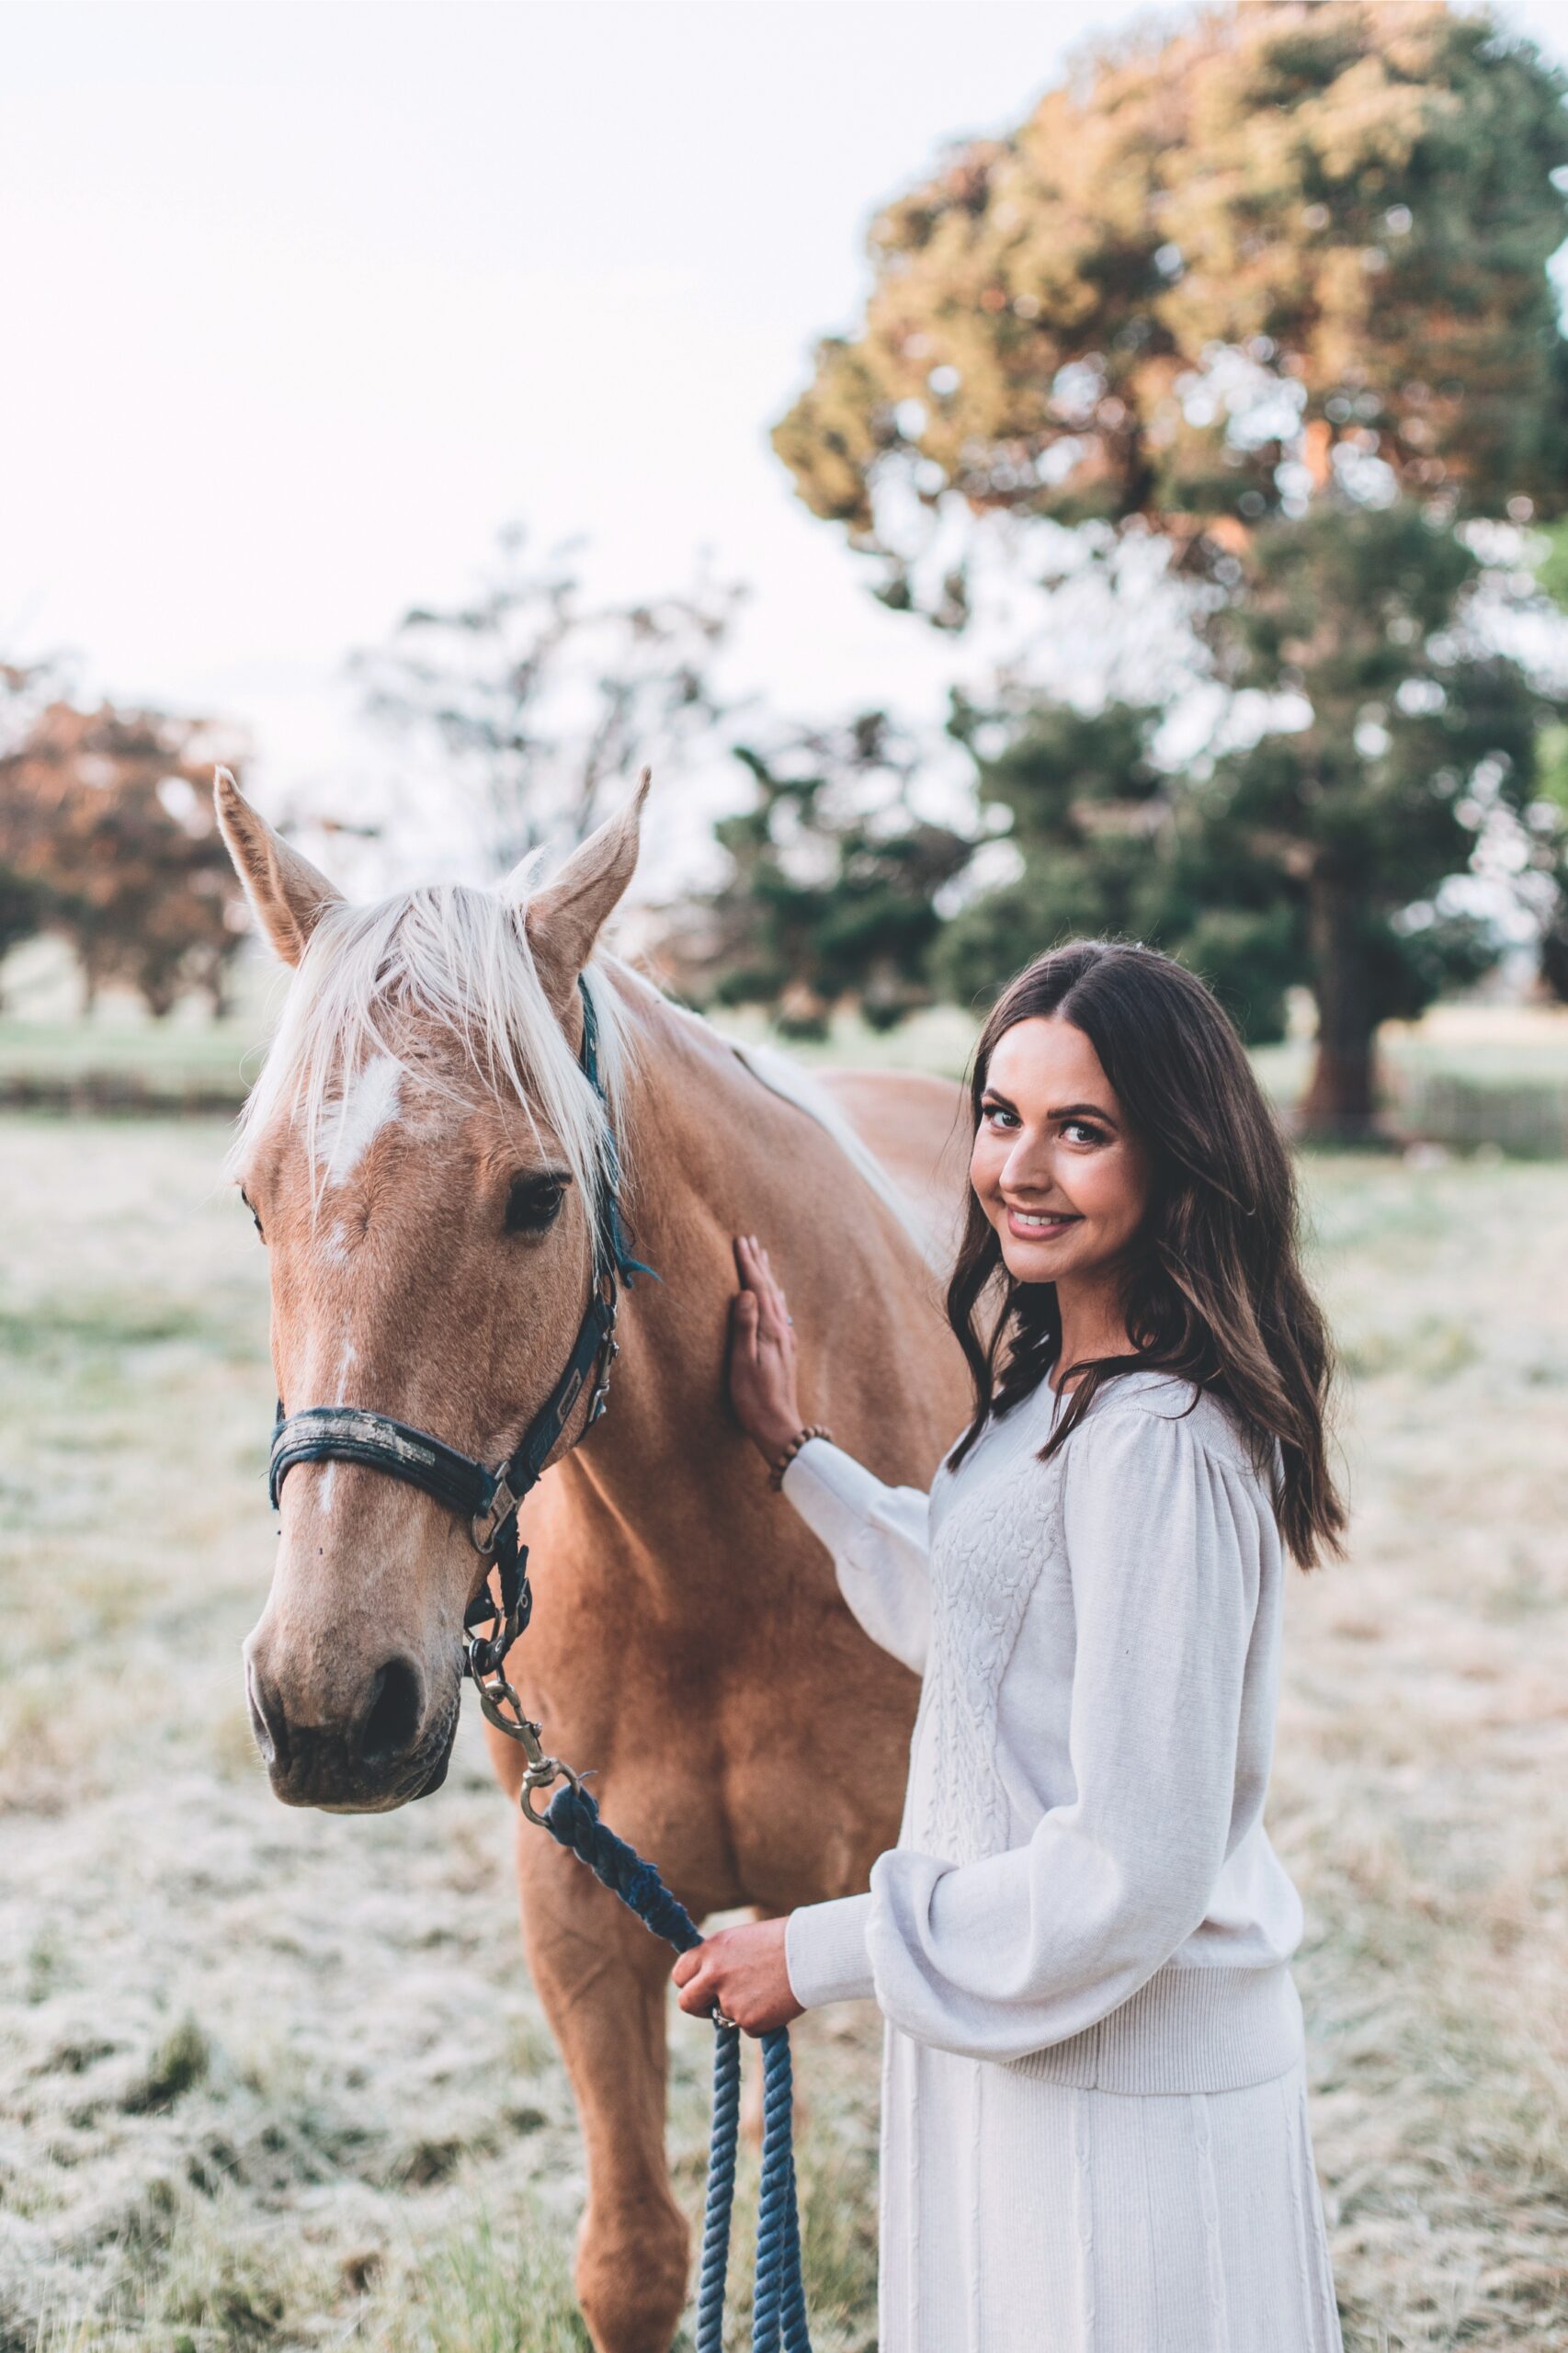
(996, 1115)
(534, 1203)
(1082, 1133)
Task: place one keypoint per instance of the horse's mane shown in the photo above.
(788, 1079)
(456, 959)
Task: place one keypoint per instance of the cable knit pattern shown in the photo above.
(988, 1549)
(1094, 2109)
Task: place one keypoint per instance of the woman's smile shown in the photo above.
(1041, 1225)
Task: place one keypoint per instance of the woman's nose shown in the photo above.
(1026, 1168)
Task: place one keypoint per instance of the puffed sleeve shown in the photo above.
(880, 1541)
(1001, 1957)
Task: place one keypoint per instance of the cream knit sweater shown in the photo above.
(1082, 1886)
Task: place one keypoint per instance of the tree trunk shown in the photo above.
(1339, 1104)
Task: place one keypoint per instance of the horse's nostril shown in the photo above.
(391, 1723)
(266, 1718)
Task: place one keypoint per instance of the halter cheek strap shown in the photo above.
(487, 1499)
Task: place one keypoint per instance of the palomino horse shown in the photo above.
(421, 1156)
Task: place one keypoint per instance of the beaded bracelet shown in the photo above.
(813, 1429)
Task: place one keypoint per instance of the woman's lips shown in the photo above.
(1041, 1229)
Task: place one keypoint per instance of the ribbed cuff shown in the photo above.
(835, 1495)
(825, 1951)
(1188, 2029)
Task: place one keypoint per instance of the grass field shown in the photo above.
(272, 2080)
(1464, 1075)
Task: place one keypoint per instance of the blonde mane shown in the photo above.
(455, 959)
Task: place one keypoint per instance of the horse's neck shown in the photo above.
(708, 1152)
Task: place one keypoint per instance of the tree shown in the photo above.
(24, 900)
(543, 704)
(1105, 844)
(1275, 290)
(1545, 846)
(832, 882)
(1417, 736)
(1547, 838)
(1414, 738)
(107, 816)
(24, 907)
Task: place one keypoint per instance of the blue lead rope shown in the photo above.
(778, 2300)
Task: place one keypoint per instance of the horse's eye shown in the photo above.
(534, 1203)
(254, 1218)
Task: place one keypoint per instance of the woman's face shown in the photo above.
(1056, 1166)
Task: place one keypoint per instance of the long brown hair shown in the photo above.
(1214, 1291)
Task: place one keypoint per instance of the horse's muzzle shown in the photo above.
(389, 1753)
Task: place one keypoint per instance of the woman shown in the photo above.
(1094, 2129)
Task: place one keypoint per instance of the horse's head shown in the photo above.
(421, 1157)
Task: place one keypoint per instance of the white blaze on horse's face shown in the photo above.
(431, 1256)
(369, 1099)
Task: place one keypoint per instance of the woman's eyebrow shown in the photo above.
(1059, 1111)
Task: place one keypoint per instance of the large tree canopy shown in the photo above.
(1327, 223)
(1273, 291)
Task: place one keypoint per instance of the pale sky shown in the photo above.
(305, 301)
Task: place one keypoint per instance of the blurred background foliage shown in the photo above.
(1274, 293)
(108, 836)
(1251, 326)
(539, 704)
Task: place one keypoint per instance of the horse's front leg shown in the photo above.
(603, 1981)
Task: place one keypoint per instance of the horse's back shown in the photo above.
(915, 1125)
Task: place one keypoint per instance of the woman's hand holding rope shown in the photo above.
(742, 1973)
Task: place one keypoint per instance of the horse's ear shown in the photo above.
(289, 896)
(565, 918)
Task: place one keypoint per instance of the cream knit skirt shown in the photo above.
(1021, 2216)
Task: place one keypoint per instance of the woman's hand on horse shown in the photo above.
(762, 1354)
(741, 1971)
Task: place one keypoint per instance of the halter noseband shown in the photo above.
(487, 1499)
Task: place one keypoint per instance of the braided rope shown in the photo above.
(714, 2268)
(778, 2303)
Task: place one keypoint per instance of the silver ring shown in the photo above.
(719, 2018)
(789, 1319)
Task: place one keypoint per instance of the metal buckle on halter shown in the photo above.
(540, 1777)
(609, 1351)
(487, 1525)
(501, 1707)
(601, 1397)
